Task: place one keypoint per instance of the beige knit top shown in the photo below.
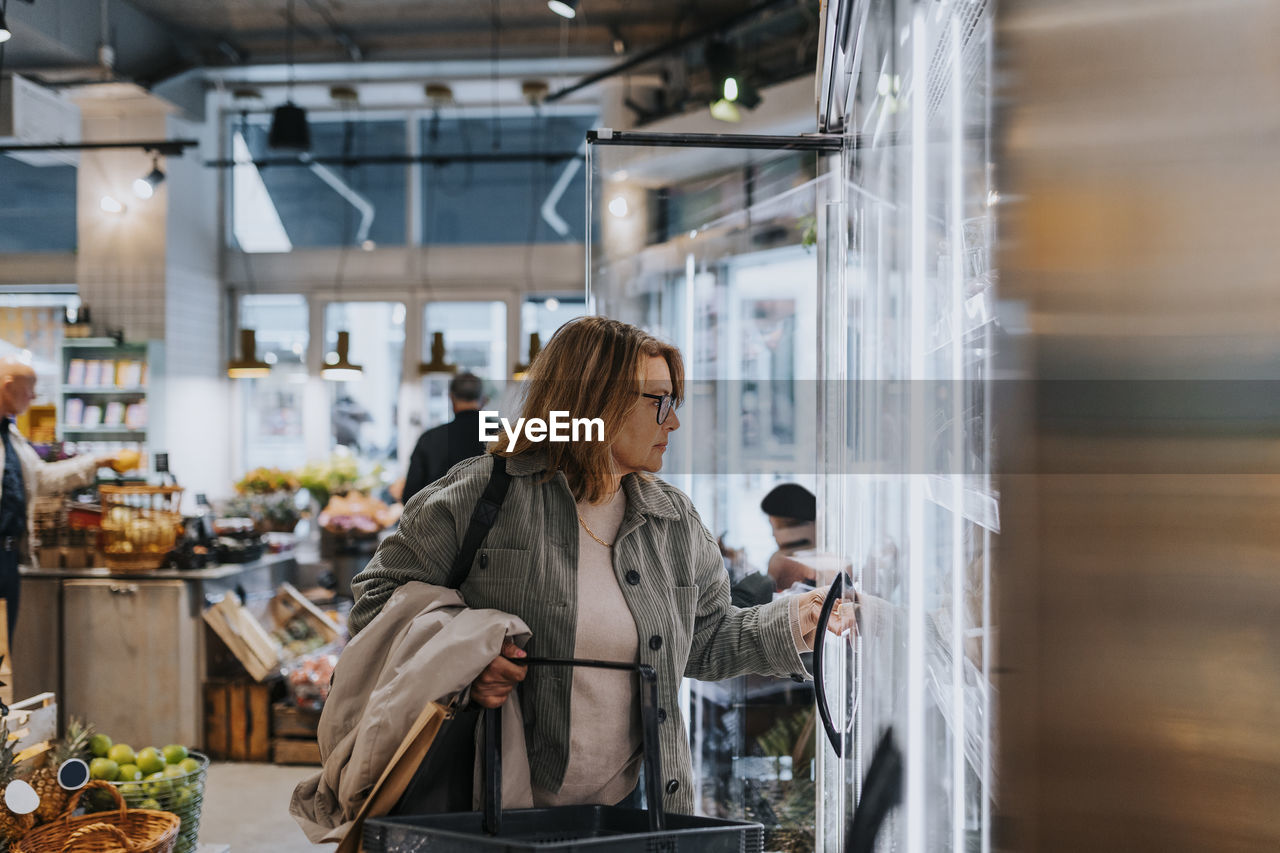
(604, 716)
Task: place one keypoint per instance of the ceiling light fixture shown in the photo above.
(145, 187)
(437, 364)
(338, 367)
(247, 366)
(535, 347)
(534, 91)
(564, 8)
(5, 32)
(289, 129)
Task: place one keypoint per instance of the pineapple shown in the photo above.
(12, 826)
(53, 799)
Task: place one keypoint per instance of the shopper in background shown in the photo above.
(601, 560)
(792, 511)
(441, 448)
(26, 476)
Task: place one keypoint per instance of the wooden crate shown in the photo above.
(293, 732)
(295, 751)
(250, 639)
(290, 721)
(237, 720)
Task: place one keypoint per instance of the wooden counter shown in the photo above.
(127, 652)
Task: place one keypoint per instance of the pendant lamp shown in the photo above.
(341, 369)
(247, 366)
(535, 347)
(437, 364)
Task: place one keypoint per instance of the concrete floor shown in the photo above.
(246, 806)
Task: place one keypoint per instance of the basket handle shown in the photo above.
(492, 756)
(93, 785)
(97, 829)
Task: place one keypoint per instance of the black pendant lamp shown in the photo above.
(289, 129)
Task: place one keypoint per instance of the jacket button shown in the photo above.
(662, 715)
(673, 786)
(633, 577)
(484, 561)
(655, 642)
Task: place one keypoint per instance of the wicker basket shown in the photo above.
(134, 830)
(140, 525)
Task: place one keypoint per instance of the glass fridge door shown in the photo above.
(714, 243)
(920, 509)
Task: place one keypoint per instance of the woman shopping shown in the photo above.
(601, 560)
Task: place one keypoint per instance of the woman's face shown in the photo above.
(642, 440)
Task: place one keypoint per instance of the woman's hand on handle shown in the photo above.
(842, 617)
(492, 687)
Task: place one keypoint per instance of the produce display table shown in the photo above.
(128, 652)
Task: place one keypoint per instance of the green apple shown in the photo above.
(174, 753)
(103, 768)
(149, 803)
(132, 793)
(191, 765)
(121, 753)
(129, 773)
(99, 744)
(150, 760)
(173, 771)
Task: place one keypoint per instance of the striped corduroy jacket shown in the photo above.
(668, 567)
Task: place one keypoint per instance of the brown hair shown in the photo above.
(591, 369)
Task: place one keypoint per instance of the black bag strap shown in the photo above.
(482, 518)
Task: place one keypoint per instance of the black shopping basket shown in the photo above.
(596, 829)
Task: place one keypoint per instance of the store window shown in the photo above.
(546, 314)
(38, 206)
(363, 411)
(319, 202)
(273, 405)
(500, 200)
(475, 339)
(475, 335)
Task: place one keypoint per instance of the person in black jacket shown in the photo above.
(441, 448)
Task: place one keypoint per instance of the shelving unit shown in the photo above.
(107, 354)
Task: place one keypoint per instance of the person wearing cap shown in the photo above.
(441, 448)
(25, 477)
(792, 510)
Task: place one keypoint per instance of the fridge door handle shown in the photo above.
(819, 685)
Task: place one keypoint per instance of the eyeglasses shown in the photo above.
(665, 404)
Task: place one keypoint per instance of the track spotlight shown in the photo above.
(145, 187)
(564, 8)
(6, 33)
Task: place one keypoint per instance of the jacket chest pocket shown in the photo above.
(494, 564)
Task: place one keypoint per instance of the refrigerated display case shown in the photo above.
(835, 303)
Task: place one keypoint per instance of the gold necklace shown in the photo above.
(590, 533)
